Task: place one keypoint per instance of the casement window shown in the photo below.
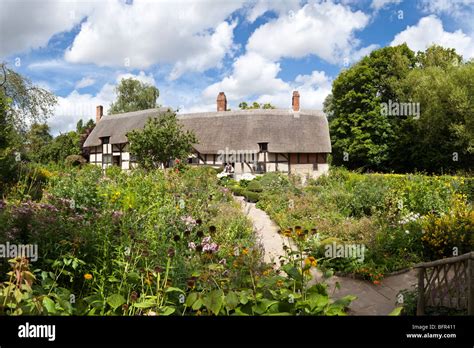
(106, 161)
(106, 146)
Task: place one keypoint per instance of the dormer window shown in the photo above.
(263, 147)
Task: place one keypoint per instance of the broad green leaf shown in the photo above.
(346, 300)
(191, 298)
(263, 306)
(213, 301)
(49, 305)
(197, 304)
(116, 300)
(172, 289)
(397, 311)
(144, 304)
(231, 300)
(167, 310)
(317, 301)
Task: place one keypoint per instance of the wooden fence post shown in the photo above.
(420, 308)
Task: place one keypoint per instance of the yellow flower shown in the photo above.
(245, 251)
(87, 276)
(310, 261)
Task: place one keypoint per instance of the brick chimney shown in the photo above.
(99, 112)
(221, 102)
(295, 101)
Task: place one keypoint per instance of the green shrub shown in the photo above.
(449, 232)
(251, 196)
(254, 186)
(237, 190)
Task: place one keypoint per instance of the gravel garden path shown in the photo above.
(371, 299)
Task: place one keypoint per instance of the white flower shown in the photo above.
(407, 232)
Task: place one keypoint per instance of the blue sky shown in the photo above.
(252, 50)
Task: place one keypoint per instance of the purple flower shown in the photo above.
(211, 248)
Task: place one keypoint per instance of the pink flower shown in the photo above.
(206, 240)
(211, 248)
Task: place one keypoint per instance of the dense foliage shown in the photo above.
(144, 243)
(429, 123)
(162, 140)
(398, 219)
(134, 95)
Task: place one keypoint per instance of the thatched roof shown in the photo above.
(284, 130)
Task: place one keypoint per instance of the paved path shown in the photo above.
(371, 299)
(266, 231)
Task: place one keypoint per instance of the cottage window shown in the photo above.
(263, 147)
(106, 146)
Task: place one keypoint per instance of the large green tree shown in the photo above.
(161, 140)
(134, 95)
(37, 140)
(361, 135)
(21, 103)
(443, 138)
(62, 146)
(438, 138)
(27, 102)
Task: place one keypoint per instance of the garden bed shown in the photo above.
(398, 220)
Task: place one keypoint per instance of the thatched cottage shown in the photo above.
(253, 141)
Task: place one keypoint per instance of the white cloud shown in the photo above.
(313, 89)
(451, 7)
(26, 25)
(142, 77)
(256, 78)
(47, 64)
(76, 106)
(192, 36)
(429, 30)
(252, 75)
(324, 29)
(220, 43)
(85, 82)
(380, 4)
(461, 10)
(259, 7)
